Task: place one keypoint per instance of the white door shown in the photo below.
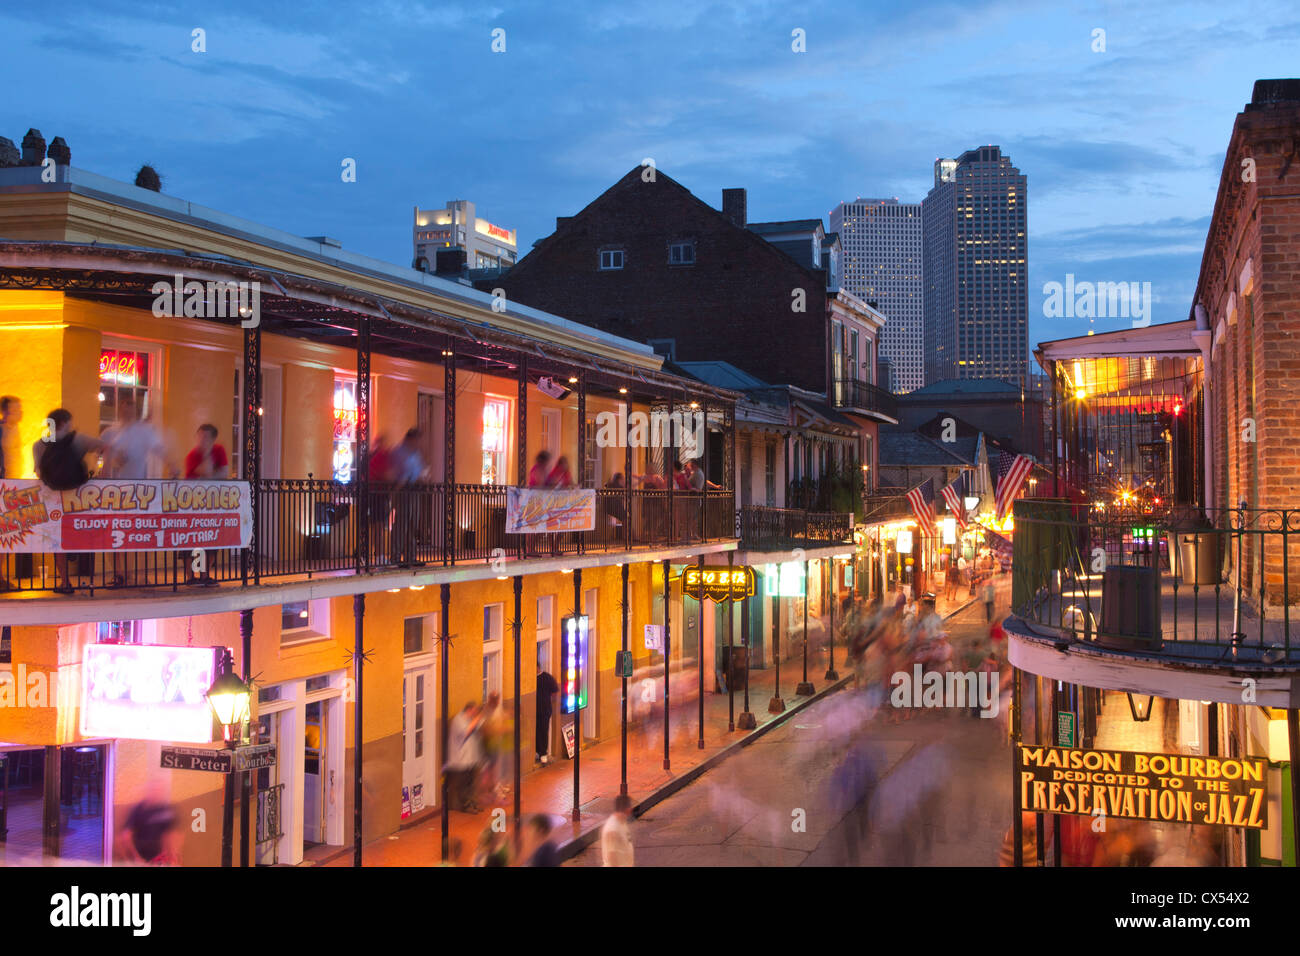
(430, 421)
(314, 773)
(418, 736)
(551, 431)
(591, 609)
(272, 408)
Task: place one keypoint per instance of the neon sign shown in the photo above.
(718, 583)
(119, 368)
(573, 689)
(784, 580)
(147, 692)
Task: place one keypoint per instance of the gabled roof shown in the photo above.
(901, 447)
(961, 386)
(787, 225)
(723, 374)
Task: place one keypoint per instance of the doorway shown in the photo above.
(551, 432)
(591, 608)
(429, 419)
(313, 770)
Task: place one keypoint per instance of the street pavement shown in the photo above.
(837, 785)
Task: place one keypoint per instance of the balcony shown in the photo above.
(858, 396)
(780, 529)
(885, 504)
(1214, 592)
(309, 527)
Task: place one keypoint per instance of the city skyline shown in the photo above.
(1123, 184)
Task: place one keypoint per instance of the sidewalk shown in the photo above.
(549, 789)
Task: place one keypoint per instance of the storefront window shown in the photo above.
(123, 376)
(496, 415)
(345, 428)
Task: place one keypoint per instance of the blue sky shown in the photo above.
(1123, 148)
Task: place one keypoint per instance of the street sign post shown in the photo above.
(254, 757)
(196, 758)
(1064, 728)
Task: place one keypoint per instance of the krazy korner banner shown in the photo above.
(123, 515)
(537, 510)
(1171, 788)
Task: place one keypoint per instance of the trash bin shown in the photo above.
(1200, 557)
(1130, 607)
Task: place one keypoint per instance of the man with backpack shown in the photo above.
(60, 458)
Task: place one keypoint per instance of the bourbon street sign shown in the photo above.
(1171, 788)
(718, 584)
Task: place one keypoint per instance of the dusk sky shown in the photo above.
(1123, 149)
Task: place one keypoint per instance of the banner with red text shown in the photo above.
(125, 515)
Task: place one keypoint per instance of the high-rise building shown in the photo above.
(486, 246)
(880, 242)
(976, 260)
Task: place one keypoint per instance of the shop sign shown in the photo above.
(573, 687)
(147, 692)
(107, 515)
(784, 580)
(568, 738)
(718, 584)
(1168, 788)
(194, 758)
(542, 510)
(654, 637)
(1064, 728)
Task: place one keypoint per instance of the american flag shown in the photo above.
(1012, 472)
(921, 498)
(953, 495)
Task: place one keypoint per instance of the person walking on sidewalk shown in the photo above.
(615, 837)
(547, 688)
(990, 595)
(545, 852)
(466, 749)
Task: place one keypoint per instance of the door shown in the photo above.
(313, 791)
(273, 409)
(493, 627)
(418, 760)
(270, 795)
(551, 431)
(591, 608)
(430, 421)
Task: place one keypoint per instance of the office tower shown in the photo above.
(881, 246)
(975, 251)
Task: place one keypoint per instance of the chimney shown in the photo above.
(33, 148)
(9, 155)
(59, 152)
(734, 206)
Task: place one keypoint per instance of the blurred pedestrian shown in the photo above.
(207, 459)
(544, 852)
(990, 595)
(497, 736)
(541, 469)
(150, 834)
(60, 460)
(493, 847)
(560, 476)
(408, 469)
(615, 835)
(465, 750)
(547, 688)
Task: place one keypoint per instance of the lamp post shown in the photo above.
(228, 698)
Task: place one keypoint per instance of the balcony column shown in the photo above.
(746, 720)
(1293, 741)
(831, 673)
(704, 492)
(776, 704)
(358, 664)
(517, 626)
(805, 687)
(670, 483)
(444, 653)
(361, 474)
(521, 468)
(731, 645)
(578, 664)
(667, 649)
(449, 456)
(699, 647)
(627, 501)
(250, 562)
(582, 463)
(246, 668)
(623, 606)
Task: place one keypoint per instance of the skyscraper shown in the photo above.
(976, 260)
(880, 240)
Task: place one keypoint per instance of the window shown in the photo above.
(611, 259)
(413, 635)
(304, 621)
(681, 254)
(496, 432)
(493, 617)
(769, 474)
(119, 632)
(345, 428)
(124, 376)
(545, 612)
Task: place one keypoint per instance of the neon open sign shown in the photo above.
(573, 690)
(147, 692)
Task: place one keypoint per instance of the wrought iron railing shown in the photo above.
(865, 397)
(1221, 585)
(775, 529)
(307, 527)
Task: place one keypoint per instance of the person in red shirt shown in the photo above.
(207, 459)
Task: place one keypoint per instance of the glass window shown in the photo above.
(611, 259)
(119, 632)
(681, 253)
(496, 431)
(124, 376)
(345, 428)
(413, 635)
(295, 615)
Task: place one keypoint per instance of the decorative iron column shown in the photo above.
(667, 650)
(730, 670)
(704, 492)
(805, 687)
(361, 477)
(746, 720)
(521, 467)
(670, 482)
(517, 625)
(578, 663)
(831, 673)
(358, 664)
(622, 785)
(627, 497)
(444, 653)
(582, 454)
(250, 563)
(449, 456)
(246, 666)
(776, 704)
(1017, 825)
(699, 646)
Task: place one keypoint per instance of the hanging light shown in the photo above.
(228, 698)
(1140, 709)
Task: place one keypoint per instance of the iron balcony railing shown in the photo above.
(1220, 586)
(865, 397)
(779, 529)
(884, 504)
(309, 526)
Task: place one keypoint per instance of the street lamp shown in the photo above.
(228, 697)
(1139, 708)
